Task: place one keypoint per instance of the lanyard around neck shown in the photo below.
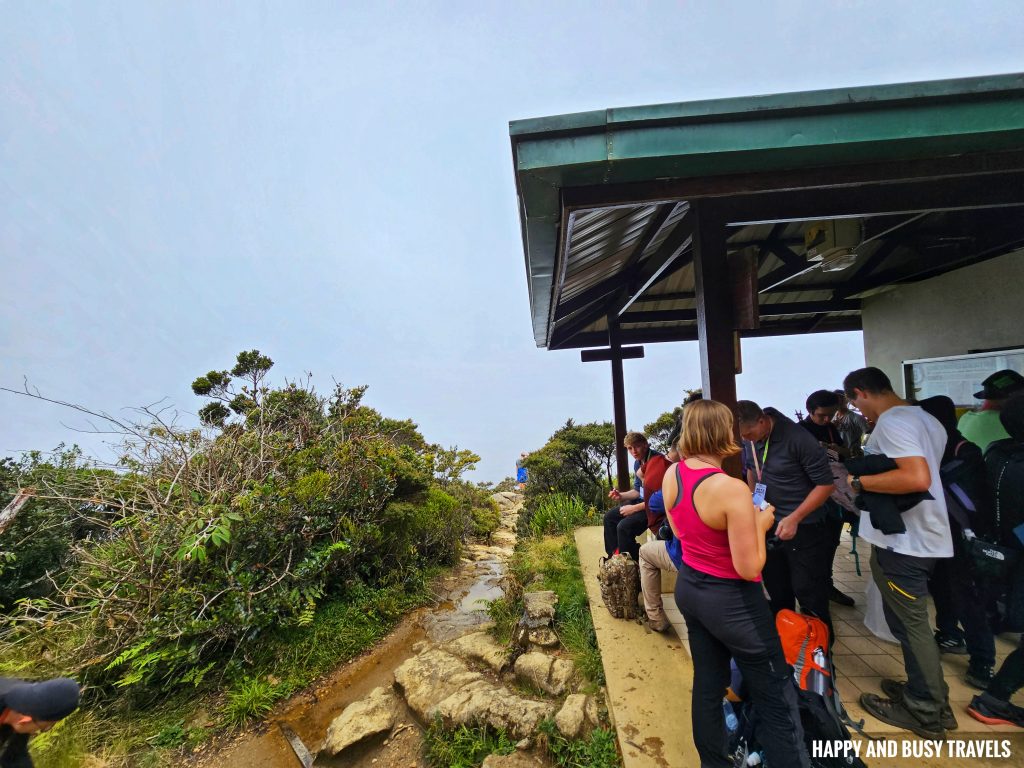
(759, 468)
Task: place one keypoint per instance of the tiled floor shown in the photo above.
(862, 660)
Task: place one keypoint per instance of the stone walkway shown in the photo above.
(649, 675)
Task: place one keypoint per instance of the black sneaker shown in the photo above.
(978, 677)
(992, 711)
(841, 598)
(894, 690)
(950, 644)
(896, 713)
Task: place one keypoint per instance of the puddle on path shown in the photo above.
(460, 608)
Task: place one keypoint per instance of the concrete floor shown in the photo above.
(649, 675)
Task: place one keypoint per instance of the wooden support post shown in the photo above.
(715, 312)
(619, 403)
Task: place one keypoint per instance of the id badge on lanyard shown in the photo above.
(760, 489)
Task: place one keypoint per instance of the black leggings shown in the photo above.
(730, 618)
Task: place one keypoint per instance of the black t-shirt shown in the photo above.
(792, 466)
(822, 433)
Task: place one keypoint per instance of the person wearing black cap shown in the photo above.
(28, 708)
(982, 427)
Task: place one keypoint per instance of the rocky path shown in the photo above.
(440, 662)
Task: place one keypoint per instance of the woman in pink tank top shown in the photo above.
(718, 591)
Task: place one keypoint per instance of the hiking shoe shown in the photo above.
(896, 713)
(978, 677)
(894, 690)
(950, 644)
(841, 598)
(650, 626)
(992, 711)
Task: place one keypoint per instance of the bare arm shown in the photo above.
(669, 492)
(910, 476)
(630, 495)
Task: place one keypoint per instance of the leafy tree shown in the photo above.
(659, 431)
(576, 460)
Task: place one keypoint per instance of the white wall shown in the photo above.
(977, 307)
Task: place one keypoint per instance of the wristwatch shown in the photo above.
(856, 485)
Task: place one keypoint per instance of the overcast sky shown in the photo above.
(331, 183)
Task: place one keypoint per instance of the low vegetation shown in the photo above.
(464, 746)
(198, 580)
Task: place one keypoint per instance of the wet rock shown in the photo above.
(505, 499)
(542, 636)
(562, 673)
(572, 720)
(539, 608)
(534, 668)
(544, 672)
(515, 760)
(365, 718)
(483, 702)
(431, 677)
(438, 683)
(592, 715)
(480, 646)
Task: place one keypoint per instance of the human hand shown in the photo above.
(765, 518)
(786, 529)
(629, 509)
(614, 493)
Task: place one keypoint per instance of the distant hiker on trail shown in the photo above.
(521, 470)
(28, 708)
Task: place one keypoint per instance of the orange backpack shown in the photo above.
(805, 643)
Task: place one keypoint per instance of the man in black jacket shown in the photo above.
(28, 708)
(793, 471)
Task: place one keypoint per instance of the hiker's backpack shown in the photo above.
(619, 578)
(965, 489)
(805, 643)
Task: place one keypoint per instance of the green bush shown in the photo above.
(597, 751)
(250, 700)
(41, 539)
(208, 542)
(577, 460)
(464, 746)
(559, 513)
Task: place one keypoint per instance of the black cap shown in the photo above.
(48, 701)
(1000, 385)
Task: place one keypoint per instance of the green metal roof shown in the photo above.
(745, 138)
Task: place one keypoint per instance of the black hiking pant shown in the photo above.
(801, 569)
(730, 619)
(620, 532)
(961, 599)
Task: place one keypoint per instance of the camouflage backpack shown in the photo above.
(619, 578)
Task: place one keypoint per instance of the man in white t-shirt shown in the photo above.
(901, 563)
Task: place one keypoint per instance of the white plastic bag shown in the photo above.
(874, 616)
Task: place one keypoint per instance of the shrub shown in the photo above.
(252, 699)
(577, 460)
(464, 746)
(207, 542)
(597, 751)
(559, 513)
